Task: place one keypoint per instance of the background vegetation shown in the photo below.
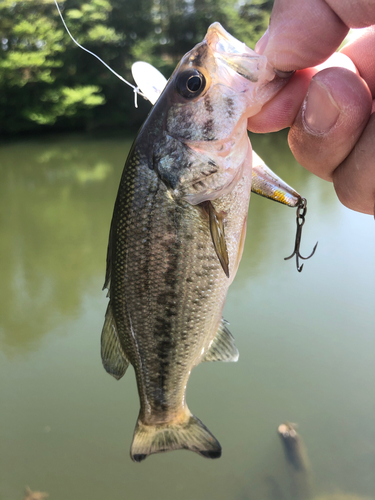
(46, 82)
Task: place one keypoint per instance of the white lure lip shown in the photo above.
(149, 80)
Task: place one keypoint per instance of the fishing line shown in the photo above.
(135, 89)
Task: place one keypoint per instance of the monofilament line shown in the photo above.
(135, 89)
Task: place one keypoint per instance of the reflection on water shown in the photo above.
(306, 342)
(55, 198)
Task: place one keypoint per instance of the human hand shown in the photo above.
(331, 111)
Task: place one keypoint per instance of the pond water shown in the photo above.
(306, 341)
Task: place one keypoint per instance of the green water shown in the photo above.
(306, 341)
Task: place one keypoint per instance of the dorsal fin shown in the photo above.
(113, 357)
(222, 347)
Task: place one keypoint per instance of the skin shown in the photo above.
(329, 109)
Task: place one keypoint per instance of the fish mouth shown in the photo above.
(222, 41)
(236, 55)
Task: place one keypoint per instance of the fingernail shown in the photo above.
(283, 74)
(262, 43)
(319, 111)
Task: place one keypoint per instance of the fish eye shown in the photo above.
(194, 83)
(190, 83)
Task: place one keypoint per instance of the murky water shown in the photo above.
(306, 341)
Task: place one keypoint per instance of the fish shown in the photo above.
(177, 235)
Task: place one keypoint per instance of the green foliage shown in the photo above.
(64, 101)
(45, 80)
(40, 81)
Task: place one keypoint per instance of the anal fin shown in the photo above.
(113, 357)
(222, 347)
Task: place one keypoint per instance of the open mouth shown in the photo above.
(235, 54)
(222, 41)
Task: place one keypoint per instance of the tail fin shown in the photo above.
(189, 435)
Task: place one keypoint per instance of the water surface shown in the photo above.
(306, 341)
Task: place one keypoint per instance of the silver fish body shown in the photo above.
(177, 236)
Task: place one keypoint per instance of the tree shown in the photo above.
(40, 83)
(47, 82)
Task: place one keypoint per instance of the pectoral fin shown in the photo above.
(217, 235)
(113, 358)
(266, 183)
(222, 347)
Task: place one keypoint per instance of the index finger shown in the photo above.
(303, 34)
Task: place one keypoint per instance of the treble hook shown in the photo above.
(301, 212)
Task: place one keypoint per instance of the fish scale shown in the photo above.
(177, 236)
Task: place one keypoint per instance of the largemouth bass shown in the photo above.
(177, 236)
